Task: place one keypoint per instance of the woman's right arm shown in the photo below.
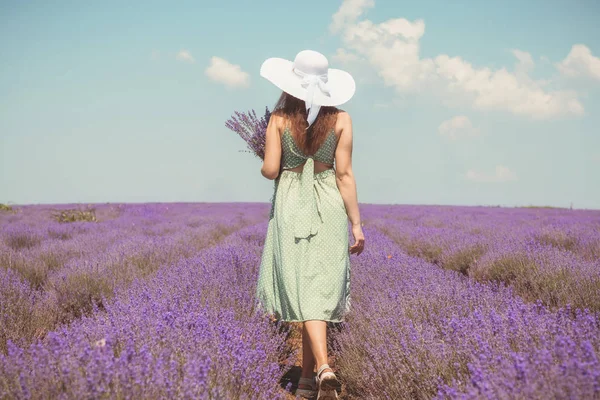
(272, 161)
(345, 179)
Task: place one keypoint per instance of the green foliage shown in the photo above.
(6, 207)
(73, 215)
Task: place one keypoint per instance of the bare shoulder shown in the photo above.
(277, 117)
(277, 120)
(344, 122)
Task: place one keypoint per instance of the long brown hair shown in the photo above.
(294, 111)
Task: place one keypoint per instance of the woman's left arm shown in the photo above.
(272, 161)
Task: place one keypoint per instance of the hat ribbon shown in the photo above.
(310, 82)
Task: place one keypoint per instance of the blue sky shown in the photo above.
(472, 103)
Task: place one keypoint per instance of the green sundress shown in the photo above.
(305, 266)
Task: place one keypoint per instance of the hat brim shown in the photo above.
(279, 72)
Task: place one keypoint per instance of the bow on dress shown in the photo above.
(308, 216)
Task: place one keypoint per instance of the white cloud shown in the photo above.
(580, 62)
(231, 75)
(459, 127)
(392, 49)
(348, 12)
(344, 56)
(525, 63)
(185, 55)
(501, 174)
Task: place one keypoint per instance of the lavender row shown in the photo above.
(189, 331)
(68, 268)
(550, 255)
(419, 331)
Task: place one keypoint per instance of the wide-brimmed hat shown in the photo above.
(309, 78)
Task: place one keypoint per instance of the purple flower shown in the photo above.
(251, 129)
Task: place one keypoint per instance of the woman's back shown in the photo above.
(320, 143)
(293, 158)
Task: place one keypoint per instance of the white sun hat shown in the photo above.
(309, 78)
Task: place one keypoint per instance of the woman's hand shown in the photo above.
(359, 240)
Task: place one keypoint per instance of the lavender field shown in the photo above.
(156, 301)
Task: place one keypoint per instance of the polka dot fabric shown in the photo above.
(305, 265)
(292, 156)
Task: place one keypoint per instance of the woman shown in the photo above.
(305, 266)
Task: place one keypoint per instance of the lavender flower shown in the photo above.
(251, 129)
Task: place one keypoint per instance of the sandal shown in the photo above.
(327, 383)
(307, 393)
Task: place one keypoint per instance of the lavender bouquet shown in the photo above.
(252, 129)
